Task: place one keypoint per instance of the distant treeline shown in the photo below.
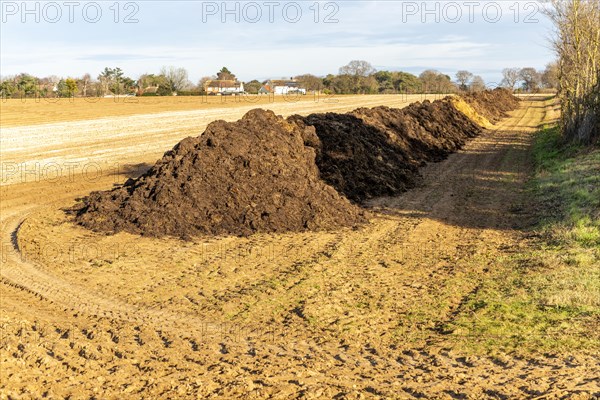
(357, 77)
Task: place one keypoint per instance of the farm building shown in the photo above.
(277, 86)
(224, 87)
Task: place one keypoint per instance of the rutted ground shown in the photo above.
(353, 313)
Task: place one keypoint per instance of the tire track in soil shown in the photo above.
(44, 283)
(438, 211)
(433, 196)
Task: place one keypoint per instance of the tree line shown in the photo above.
(529, 79)
(357, 77)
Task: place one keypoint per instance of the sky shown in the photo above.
(271, 39)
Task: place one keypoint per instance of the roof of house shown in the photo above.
(223, 83)
(278, 82)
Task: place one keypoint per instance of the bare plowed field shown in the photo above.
(353, 313)
(126, 137)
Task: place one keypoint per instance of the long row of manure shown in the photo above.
(264, 173)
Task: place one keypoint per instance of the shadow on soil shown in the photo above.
(133, 170)
(480, 188)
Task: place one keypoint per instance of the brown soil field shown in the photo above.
(22, 112)
(33, 150)
(353, 313)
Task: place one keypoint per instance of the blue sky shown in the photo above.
(287, 38)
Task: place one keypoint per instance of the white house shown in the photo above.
(224, 87)
(278, 86)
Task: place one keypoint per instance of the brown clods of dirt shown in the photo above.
(253, 175)
(372, 152)
(492, 104)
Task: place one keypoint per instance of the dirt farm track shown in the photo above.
(345, 314)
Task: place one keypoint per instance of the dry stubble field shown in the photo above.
(345, 314)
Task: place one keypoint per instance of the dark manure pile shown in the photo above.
(253, 175)
(373, 152)
(264, 173)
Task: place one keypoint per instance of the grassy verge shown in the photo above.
(547, 298)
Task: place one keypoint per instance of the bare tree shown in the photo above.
(550, 76)
(105, 79)
(310, 82)
(510, 77)
(531, 79)
(357, 68)
(477, 84)
(357, 72)
(204, 81)
(577, 45)
(435, 82)
(463, 77)
(177, 78)
(85, 81)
